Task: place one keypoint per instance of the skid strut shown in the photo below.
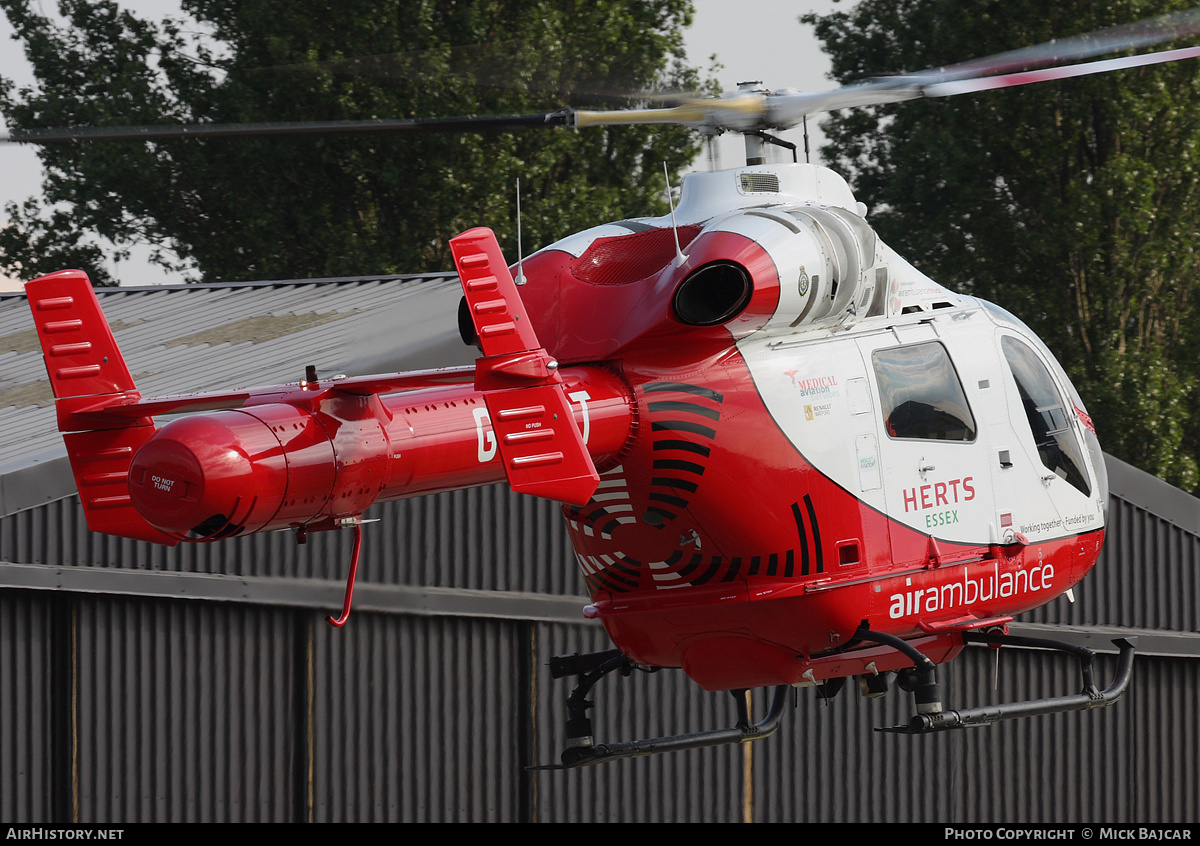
(931, 716)
(582, 750)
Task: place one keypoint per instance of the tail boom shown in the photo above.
(315, 454)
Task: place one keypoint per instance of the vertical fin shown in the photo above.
(541, 446)
(82, 359)
(495, 306)
(88, 374)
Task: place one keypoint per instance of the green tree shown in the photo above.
(285, 207)
(33, 244)
(1075, 204)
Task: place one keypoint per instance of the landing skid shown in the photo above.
(581, 749)
(932, 717)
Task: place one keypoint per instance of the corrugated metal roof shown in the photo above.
(191, 338)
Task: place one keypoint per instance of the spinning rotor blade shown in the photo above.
(742, 111)
(1040, 63)
(746, 111)
(749, 111)
(502, 123)
(1009, 80)
(1130, 36)
(737, 112)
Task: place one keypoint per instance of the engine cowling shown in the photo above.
(770, 267)
(823, 262)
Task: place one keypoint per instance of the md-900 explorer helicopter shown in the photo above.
(786, 457)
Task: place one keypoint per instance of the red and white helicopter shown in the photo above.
(787, 457)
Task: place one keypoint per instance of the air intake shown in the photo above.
(759, 183)
(713, 294)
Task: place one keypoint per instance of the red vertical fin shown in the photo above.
(82, 359)
(88, 375)
(540, 445)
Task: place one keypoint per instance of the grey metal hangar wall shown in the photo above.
(202, 684)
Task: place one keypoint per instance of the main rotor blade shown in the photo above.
(1010, 80)
(1003, 70)
(788, 109)
(501, 123)
(1027, 65)
(744, 112)
(1131, 36)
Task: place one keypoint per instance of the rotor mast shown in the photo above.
(755, 152)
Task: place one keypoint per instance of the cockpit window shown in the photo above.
(1057, 446)
(920, 395)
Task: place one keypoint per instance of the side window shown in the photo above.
(1057, 446)
(920, 395)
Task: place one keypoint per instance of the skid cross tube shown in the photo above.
(582, 751)
(743, 732)
(1089, 697)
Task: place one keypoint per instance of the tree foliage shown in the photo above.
(269, 208)
(33, 244)
(1075, 205)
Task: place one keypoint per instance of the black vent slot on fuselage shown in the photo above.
(216, 527)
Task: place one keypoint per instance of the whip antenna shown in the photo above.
(680, 258)
(520, 280)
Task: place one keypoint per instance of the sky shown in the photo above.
(752, 39)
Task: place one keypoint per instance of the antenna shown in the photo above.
(520, 280)
(680, 258)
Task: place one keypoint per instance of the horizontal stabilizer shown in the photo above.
(391, 383)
